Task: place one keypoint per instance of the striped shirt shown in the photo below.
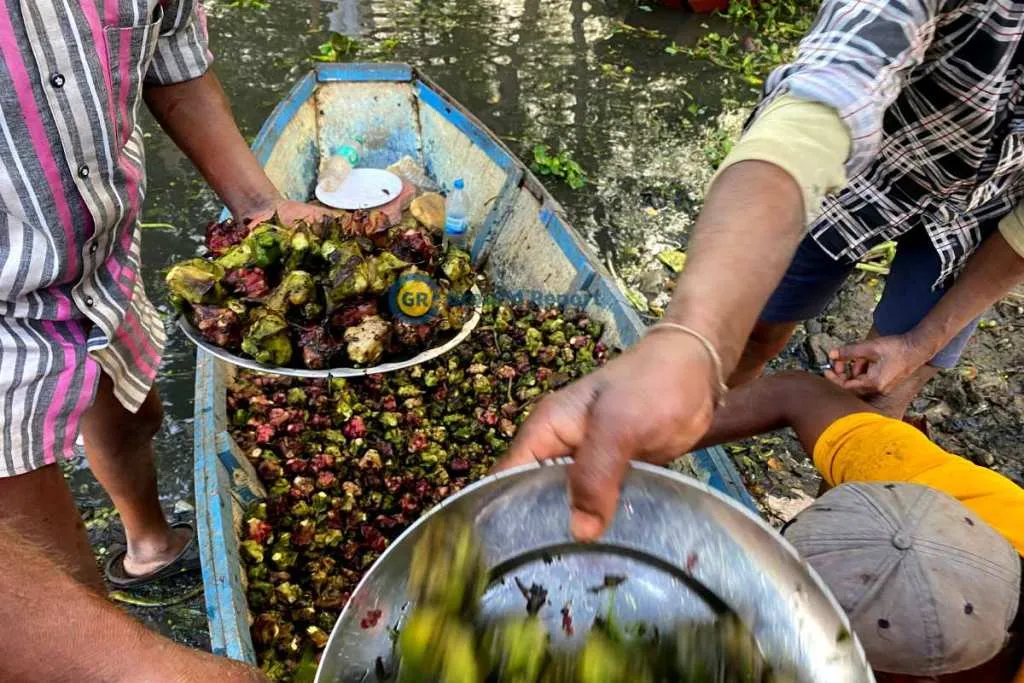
(72, 183)
(931, 92)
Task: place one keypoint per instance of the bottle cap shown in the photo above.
(350, 153)
(458, 184)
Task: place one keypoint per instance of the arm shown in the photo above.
(187, 100)
(994, 269)
(66, 632)
(807, 403)
(655, 401)
(196, 115)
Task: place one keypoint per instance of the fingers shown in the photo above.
(835, 376)
(852, 360)
(602, 461)
(555, 427)
(866, 350)
(838, 364)
(862, 386)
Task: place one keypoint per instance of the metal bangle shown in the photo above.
(716, 360)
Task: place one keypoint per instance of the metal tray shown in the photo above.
(685, 550)
(228, 357)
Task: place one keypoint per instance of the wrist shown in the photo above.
(711, 355)
(697, 318)
(925, 341)
(257, 205)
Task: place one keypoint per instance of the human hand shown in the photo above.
(652, 403)
(877, 366)
(289, 212)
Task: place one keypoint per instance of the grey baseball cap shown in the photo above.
(929, 587)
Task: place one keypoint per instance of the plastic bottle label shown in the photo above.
(455, 226)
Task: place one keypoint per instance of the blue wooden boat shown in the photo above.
(523, 243)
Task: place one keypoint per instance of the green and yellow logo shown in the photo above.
(413, 298)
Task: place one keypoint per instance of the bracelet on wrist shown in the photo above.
(721, 388)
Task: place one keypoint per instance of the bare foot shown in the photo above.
(139, 561)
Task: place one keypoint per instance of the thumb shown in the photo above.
(859, 351)
(553, 429)
(597, 474)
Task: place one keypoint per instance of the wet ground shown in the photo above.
(592, 79)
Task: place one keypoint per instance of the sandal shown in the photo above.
(186, 561)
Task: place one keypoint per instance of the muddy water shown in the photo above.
(590, 78)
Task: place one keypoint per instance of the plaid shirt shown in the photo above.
(72, 182)
(931, 92)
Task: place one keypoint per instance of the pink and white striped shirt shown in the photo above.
(72, 182)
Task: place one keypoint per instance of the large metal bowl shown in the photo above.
(686, 551)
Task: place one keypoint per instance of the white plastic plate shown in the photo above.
(364, 188)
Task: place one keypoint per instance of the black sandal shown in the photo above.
(186, 561)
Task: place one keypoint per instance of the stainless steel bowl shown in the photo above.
(685, 550)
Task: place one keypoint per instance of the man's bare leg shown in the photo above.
(119, 447)
(765, 343)
(896, 402)
(39, 507)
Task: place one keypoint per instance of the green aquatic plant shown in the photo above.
(560, 165)
(717, 147)
(340, 48)
(765, 36)
(249, 4)
(336, 49)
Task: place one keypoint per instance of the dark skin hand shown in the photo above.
(197, 116)
(877, 366)
(655, 401)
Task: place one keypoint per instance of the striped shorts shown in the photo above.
(49, 371)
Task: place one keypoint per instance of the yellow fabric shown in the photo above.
(870, 447)
(805, 139)
(1012, 229)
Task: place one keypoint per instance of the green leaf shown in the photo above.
(674, 259)
(637, 300)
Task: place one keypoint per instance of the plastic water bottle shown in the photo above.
(456, 219)
(335, 168)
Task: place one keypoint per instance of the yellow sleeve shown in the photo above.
(1012, 230)
(870, 447)
(805, 139)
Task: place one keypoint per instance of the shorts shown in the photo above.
(49, 371)
(814, 278)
